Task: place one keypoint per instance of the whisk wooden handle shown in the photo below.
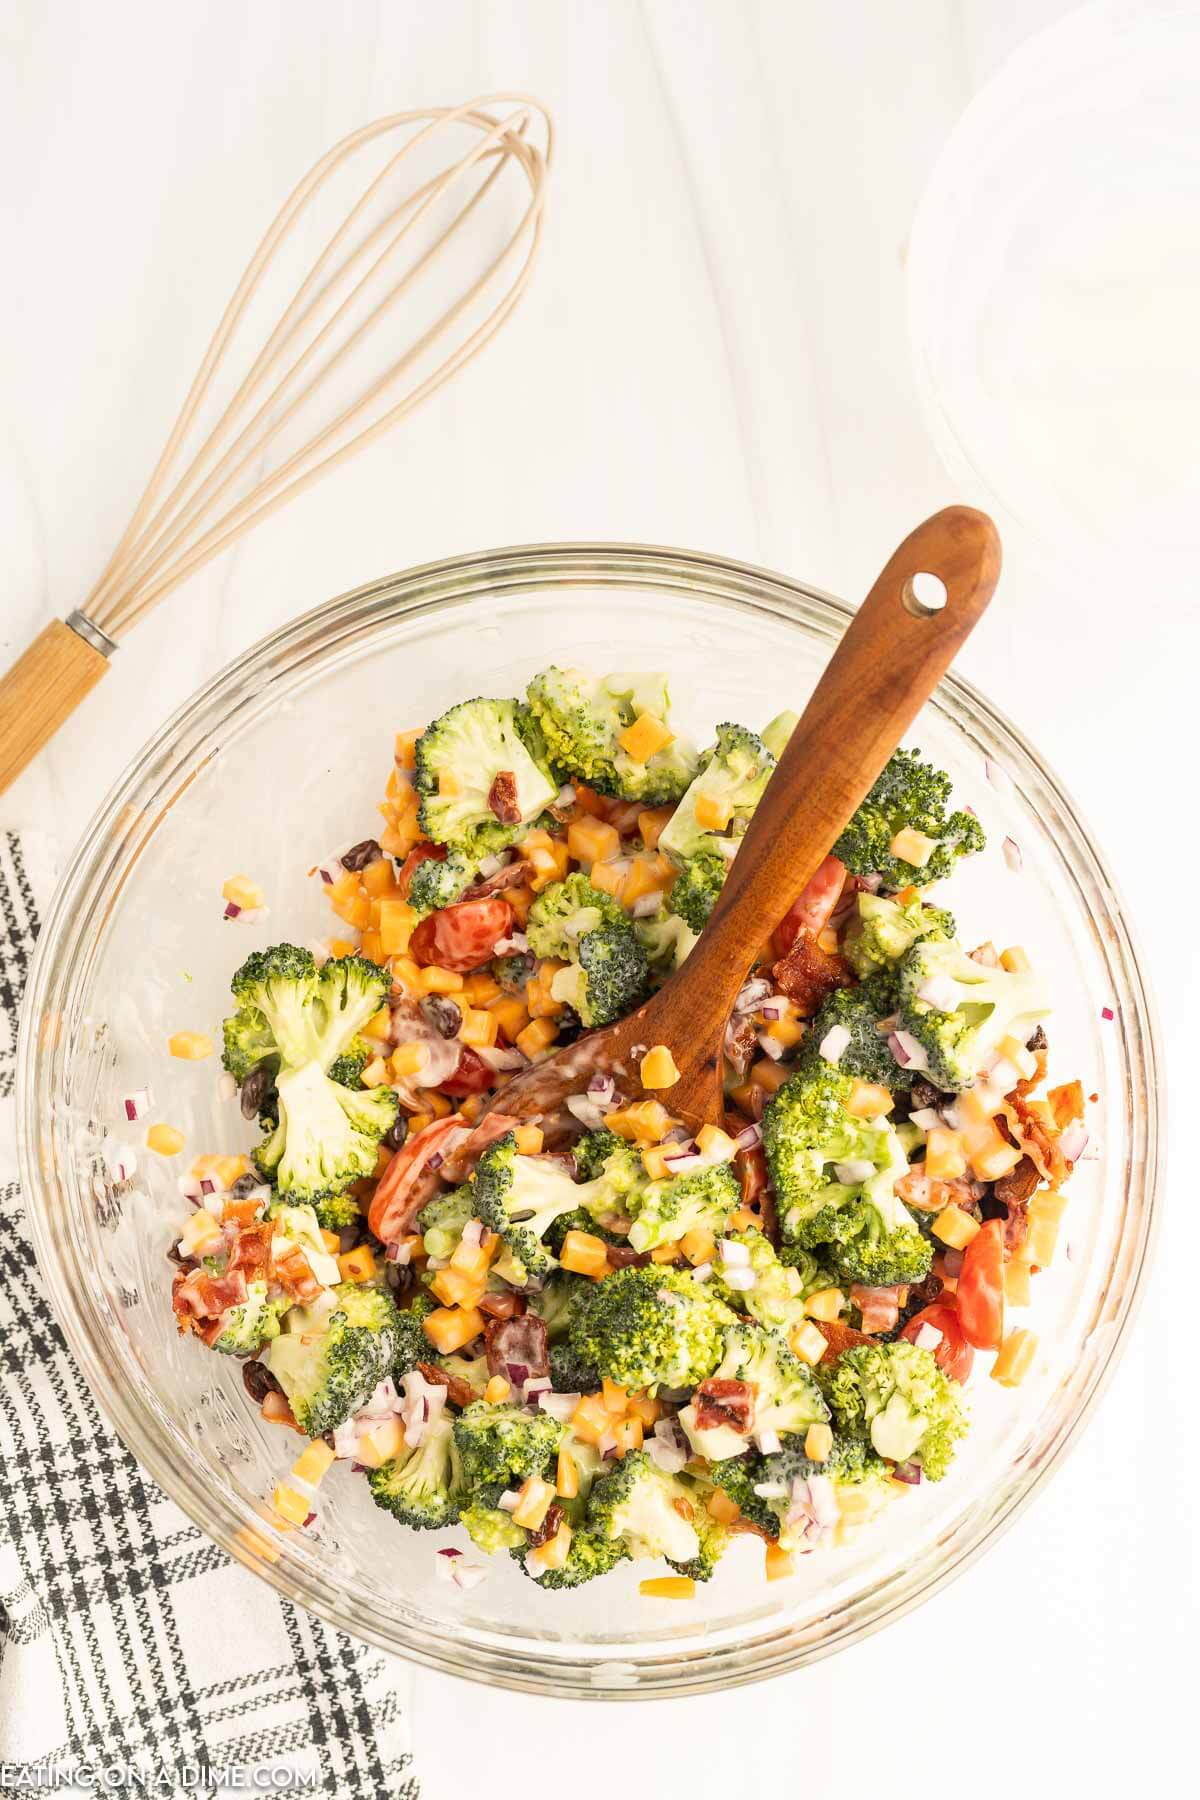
(41, 691)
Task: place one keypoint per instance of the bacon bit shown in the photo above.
(808, 974)
(879, 1306)
(513, 874)
(458, 1392)
(839, 1337)
(292, 1271)
(252, 1247)
(1036, 1135)
(928, 1194)
(197, 1295)
(722, 1401)
(502, 798)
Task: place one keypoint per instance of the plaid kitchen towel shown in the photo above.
(128, 1641)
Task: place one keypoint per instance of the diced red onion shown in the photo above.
(468, 1574)
(1074, 1142)
(319, 949)
(909, 1472)
(772, 1490)
(1003, 1076)
(509, 1500)
(666, 1454)
(400, 1254)
(233, 910)
(770, 1046)
(435, 1161)
(207, 1186)
(213, 1203)
(120, 1160)
(732, 1253)
(1010, 850)
(907, 1051)
(331, 870)
(559, 1406)
(853, 1173)
(450, 1553)
(137, 1104)
(565, 795)
(499, 1059)
(345, 1439)
(870, 884)
(741, 1280)
(491, 865)
(679, 1162)
(751, 995)
(772, 1010)
(535, 1386)
(928, 1337)
(189, 1187)
(768, 1442)
(381, 1403)
(357, 1468)
(585, 1110)
(823, 1500)
(985, 956)
(749, 1137)
(608, 1446)
(516, 1374)
(472, 1231)
(702, 1271)
(926, 1118)
(514, 945)
(1106, 1012)
(834, 1044)
(601, 1088)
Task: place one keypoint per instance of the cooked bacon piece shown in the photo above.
(252, 1247)
(928, 1194)
(723, 1401)
(458, 1391)
(808, 974)
(1066, 1103)
(513, 874)
(502, 798)
(879, 1306)
(1032, 1126)
(198, 1295)
(518, 1343)
(292, 1271)
(839, 1337)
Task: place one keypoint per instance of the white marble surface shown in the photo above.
(714, 354)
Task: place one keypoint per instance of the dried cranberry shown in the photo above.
(444, 1015)
(255, 1089)
(359, 855)
(245, 1185)
(549, 1526)
(394, 1136)
(502, 798)
(259, 1381)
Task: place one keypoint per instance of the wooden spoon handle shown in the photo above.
(893, 655)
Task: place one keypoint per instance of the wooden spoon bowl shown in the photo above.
(896, 649)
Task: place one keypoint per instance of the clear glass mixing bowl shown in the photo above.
(273, 765)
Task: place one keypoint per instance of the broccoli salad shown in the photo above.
(597, 1338)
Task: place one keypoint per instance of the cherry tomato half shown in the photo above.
(980, 1293)
(811, 911)
(400, 1194)
(463, 936)
(472, 1076)
(953, 1355)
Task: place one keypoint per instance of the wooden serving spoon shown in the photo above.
(896, 649)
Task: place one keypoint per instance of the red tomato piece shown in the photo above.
(953, 1355)
(980, 1295)
(472, 1076)
(417, 855)
(400, 1192)
(811, 912)
(463, 936)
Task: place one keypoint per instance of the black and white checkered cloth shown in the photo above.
(127, 1639)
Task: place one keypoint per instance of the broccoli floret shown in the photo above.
(569, 1373)
(896, 1395)
(606, 965)
(977, 1008)
(441, 881)
(458, 758)
(582, 719)
(667, 940)
(519, 1197)
(441, 1221)
(590, 1555)
(777, 1296)
(811, 1272)
(733, 776)
(328, 1370)
(348, 1067)
(412, 1345)
(883, 929)
(650, 1327)
(603, 1156)
(787, 1397)
(504, 1444)
(422, 1486)
(764, 1487)
(249, 1041)
(326, 1134)
(808, 1136)
(913, 794)
(513, 971)
(883, 1245)
(715, 1537)
(492, 1528)
(776, 735)
(253, 1322)
(636, 1504)
(555, 1304)
(859, 1010)
(471, 1369)
(701, 1200)
(336, 1211)
(697, 886)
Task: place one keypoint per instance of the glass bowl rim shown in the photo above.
(533, 1666)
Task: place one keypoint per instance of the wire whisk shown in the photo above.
(215, 481)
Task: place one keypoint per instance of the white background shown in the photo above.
(714, 354)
